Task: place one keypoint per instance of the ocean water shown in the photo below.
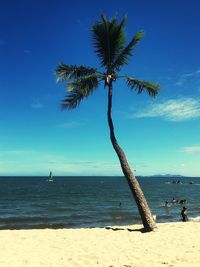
(74, 202)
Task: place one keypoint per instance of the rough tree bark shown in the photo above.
(145, 213)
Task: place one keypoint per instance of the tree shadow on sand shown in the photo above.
(142, 230)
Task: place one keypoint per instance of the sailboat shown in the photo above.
(50, 179)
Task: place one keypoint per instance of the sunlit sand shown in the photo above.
(172, 244)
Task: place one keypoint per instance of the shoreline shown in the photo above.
(171, 244)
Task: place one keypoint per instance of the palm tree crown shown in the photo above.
(110, 46)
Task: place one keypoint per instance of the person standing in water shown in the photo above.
(184, 214)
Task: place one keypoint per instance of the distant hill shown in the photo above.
(167, 175)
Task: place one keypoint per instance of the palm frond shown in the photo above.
(125, 54)
(80, 89)
(140, 86)
(67, 72)
(108, 39)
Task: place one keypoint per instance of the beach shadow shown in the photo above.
(125, 229)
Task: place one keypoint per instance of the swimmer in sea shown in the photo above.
(167, 205)
(174, 200)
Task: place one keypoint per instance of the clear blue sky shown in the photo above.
(159, 136)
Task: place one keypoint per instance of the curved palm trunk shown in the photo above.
(145, 213)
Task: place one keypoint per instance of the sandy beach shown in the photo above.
(172, 244)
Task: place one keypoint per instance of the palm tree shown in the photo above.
(110, 46)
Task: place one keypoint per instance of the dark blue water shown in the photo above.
(72, 202)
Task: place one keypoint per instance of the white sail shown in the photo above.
(50, 177)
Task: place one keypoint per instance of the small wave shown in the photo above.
(154, 217)
(164, 218)
(194, 219)
(118, 217)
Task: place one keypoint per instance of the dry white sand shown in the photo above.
(172, 244)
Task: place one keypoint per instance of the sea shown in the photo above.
(85, 202)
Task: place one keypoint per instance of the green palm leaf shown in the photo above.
(67, 72)
(108, 40)
(125, 54)
(140, 86)
(80, 89)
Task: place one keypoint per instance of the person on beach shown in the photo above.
(184, 214)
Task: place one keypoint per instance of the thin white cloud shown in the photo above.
(88, 168)
(173, 110)
(18, 162)
(188, 76)
(191, 149)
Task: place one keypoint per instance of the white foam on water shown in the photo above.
(194, 219)
(154, 217)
